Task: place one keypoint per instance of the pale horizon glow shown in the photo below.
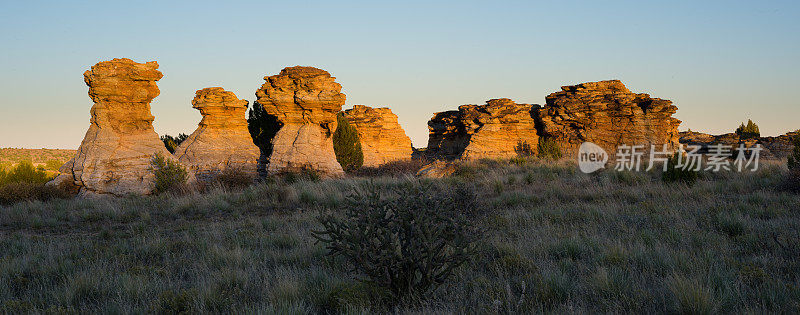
(720, 62)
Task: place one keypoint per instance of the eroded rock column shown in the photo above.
(382, 138)
(304, 100)
(222, 140)
(114, 157)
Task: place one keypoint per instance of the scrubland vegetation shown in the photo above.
(543, 238)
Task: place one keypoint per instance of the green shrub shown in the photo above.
(748, 131)
(675, 173)
(15, 192)
(170, 175)
(406, 239)
(549, 148)
(794, 157)
(523, 149)
(53, 165)
(172, 143)
(24, 172)
(234, 178)
(346, 145)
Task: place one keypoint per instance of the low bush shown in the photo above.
(791, 183)
(53, 165)
(406, 239)
(12, 193)
(170, 175)
(300, 174)
(676, 173)
(395, 168)
(24, 172)
(233, 178)
(794, 157)
(549, 149)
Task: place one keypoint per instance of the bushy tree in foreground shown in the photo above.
(346, 145)
(408, 239)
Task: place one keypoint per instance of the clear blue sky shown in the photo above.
(721, 62)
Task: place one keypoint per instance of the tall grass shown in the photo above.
(555, 240)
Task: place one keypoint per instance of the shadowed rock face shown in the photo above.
(305, 101)
(775, 148)
(382, 139)
(498, 129)
(221, 140)
(609, 115)
(114, 157)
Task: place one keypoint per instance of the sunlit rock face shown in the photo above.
(382, 138)
(499, 129)
(608, 114)
(222, 141)
(305, 101)
(114, 157)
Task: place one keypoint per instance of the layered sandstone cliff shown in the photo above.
(304, 100)
(382, 138)
(114, 157)
(499, 129)
(222, 141)
(608, 114)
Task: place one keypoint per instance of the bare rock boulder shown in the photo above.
(606, 113)
(499, 129)
(114, 157)
(222, 141)
(305, 101)
(382, 138)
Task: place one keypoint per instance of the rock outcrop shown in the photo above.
(382, 139)
(499, 129)
(438, 169)
(606, 113)
(222, 140)
(773, 148)
(114, 157)
(305, 101)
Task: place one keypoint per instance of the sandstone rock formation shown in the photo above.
(499, 129)
(438, 169)
(305, 101)
(382, 139)
(222, 140)
(774, 148)
(608, 114)
(114, 157)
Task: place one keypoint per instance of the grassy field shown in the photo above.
(556, 240)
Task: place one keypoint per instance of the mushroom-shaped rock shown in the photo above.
(222, 141)
(304, 101)
(115, 155)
